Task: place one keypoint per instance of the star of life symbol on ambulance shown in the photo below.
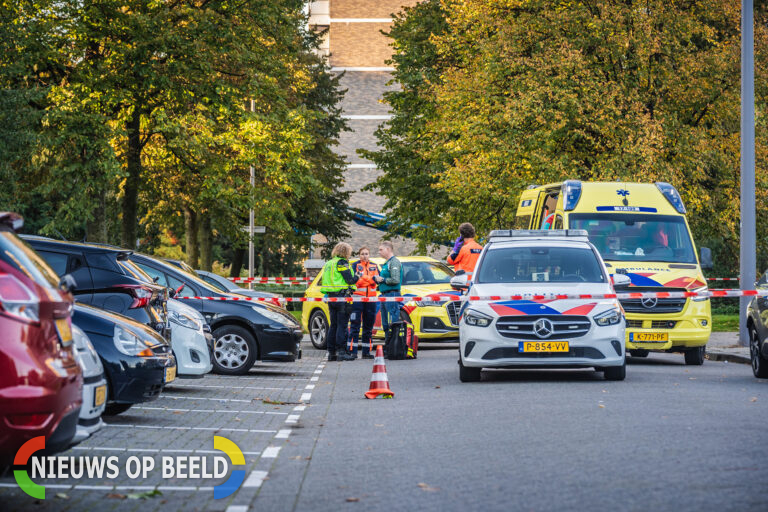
(103, 467)
(543, 328)
(622, 193)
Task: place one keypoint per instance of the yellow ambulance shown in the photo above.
(640, 230)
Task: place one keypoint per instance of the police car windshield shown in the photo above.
(637, 237)
(425, 272)
(540, 264)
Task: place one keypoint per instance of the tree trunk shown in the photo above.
(190, 229)
(237, 262)
(131, 188)
(96, 229)
(206, 242)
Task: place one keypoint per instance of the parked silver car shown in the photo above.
(94, 386)
(189, 340)
(226, 285)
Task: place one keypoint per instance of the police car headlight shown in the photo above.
(477, 319)
(610, 317)
(700, 290)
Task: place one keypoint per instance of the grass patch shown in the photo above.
(296, 315)
(725, 323)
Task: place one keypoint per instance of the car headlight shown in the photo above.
(130, 343)
(477, 319)
(275, 317)
(184, 320)
(610, 317)
(700, 290)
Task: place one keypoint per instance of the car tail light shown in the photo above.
(141, 296)
(28, 420)
(17, 301)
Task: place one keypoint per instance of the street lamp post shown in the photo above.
(251, 219)
(748, 248)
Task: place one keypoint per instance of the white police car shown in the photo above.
(535, 332)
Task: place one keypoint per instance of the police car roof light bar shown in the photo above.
(537, 233)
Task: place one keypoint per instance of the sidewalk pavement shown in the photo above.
(725, 346)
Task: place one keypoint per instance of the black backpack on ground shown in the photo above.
(396, 342)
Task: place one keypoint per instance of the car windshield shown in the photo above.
(176, 272)
(637, 237)
(133, 270)
(540, 264)
(216, 281)
(16, 253)
(425, 272)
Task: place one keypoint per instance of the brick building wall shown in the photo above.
(359, 50)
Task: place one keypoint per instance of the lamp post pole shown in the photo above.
(251, 220)
(748, 249)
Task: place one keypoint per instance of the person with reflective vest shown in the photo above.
(389, 286)
(465, 251)
(338, 281)
(363, 312)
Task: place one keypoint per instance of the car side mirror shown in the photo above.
(68, 283)
(706, 258)
(460, 282)
(621, 281)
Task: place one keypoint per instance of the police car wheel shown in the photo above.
(468, 374)
(318, 329)
(615, 372)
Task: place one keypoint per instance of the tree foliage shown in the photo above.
(500, 94)
(126, 119)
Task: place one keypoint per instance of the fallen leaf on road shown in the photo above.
(753, 399)
(691, 378)
(144, 495)
(177, 412)
(377, 425)
(601, 406)
(116, 496)
(427, 487)
(353, 500)
(273, 402)
(62, 496)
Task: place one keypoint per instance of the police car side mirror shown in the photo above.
(706, 258)
(460, 282)
(621, 281)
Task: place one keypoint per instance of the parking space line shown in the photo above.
(84, 487)
(310, 386)
(173, 397)
(217, 411)
(305, 397)
(255, 479)
(237, 508)
(47, 486)
(153, 450)
(293, 418)
(314, 379)
(214, 429)
(283, 433)
(212, 386)
(271, 452)
(299, 407)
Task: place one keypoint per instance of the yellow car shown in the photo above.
(432, 320)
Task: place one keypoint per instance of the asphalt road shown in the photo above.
(670, 437)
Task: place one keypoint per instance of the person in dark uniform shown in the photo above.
(338, 281)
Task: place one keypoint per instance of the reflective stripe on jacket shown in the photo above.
(336, 276)
(467, 257)
(366, 286)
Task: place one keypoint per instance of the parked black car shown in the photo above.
(225, 285)
(243, 331)
(138, 362)
(103, 281)
(757, 325)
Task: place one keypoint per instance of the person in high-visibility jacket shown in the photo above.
(364, 312)
(465, 251)
(338, 281)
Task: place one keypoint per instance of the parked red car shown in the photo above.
(40, 380)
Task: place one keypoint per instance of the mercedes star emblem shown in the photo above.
(543, 328)
(649, 302)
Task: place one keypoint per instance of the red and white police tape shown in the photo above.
(270, 280)
(722, 279)
(446, 298)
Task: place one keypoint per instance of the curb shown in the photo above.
(715, 355)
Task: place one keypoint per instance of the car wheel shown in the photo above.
(759, 363)
(615, 372)
(234, 350)
(318, 329)
(468, 374)
(114, 409)
(639, 352)
(695, 356)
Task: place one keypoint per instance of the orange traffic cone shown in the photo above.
(379, 382)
